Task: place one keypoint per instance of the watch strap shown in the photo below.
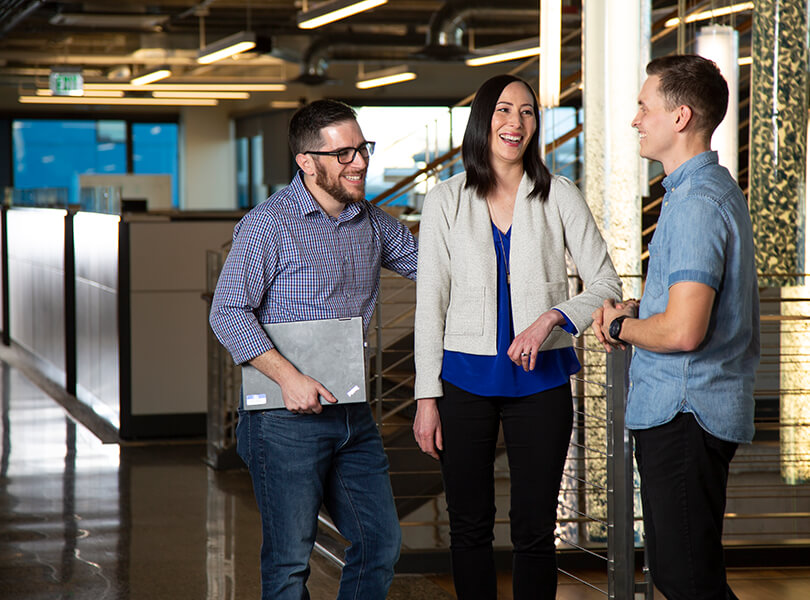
(615, 329)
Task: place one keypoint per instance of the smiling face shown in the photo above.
(343, 183)
(513, 124)
(655, 122)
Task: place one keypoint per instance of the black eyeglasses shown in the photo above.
(346, 155)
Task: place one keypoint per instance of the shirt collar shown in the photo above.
(685, 171)
(308, 204)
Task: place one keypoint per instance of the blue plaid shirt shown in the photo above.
(290, 261)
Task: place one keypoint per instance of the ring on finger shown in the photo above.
(524, 354)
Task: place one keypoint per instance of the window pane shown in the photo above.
(408, 138)
(259, 189)
(52, 153)
(154, 152)
(242, 170)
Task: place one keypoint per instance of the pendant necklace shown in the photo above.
(503, 249)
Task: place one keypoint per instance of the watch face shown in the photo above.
(615, 328)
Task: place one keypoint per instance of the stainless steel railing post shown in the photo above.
(621, 549)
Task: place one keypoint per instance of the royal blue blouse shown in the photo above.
(498, 375)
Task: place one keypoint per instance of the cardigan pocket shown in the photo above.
(465, 315)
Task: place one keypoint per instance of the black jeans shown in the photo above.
(537, 430)
(684, 470)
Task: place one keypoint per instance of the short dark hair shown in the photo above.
(308, 121)
(475, 146)
(694, 81)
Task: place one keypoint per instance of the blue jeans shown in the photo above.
(299, 461)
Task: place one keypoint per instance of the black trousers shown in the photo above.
(684, 470)
(537, 430)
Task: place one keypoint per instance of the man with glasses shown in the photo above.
(313, 251)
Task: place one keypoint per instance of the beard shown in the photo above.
(333, 186)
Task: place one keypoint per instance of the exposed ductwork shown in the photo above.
(17, 13)
(315, 60)
(445, 36)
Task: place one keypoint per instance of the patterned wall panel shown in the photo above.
(778, 138)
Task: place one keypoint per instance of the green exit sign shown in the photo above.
(70, 83)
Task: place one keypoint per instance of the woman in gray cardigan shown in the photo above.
(493, 335)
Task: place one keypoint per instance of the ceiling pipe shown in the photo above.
(23, 14)
(445, 36)
(317, 56)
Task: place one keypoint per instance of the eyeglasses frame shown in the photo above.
(336, 153)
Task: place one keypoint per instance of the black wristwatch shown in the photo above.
(615, 329)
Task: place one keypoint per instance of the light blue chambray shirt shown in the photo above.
(704, 235)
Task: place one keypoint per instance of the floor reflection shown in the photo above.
(86, 520)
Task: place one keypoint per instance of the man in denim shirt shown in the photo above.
(696, 332)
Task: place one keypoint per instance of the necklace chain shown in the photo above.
(503, 249)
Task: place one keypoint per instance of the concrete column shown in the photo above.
(779, 139)
(616, 39)
(616, 48)
(778, 203)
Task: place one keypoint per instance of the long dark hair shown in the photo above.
(475, 147)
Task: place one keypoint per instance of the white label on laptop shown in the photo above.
(353, 391)
(255, 399)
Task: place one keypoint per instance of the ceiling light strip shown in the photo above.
(151, 77)
(226, 47)
(501, 57)
(87, 93)
(190, 87)
(217, 95)
(117, 101)
(334, 11)
(386, 80)
(711, 14)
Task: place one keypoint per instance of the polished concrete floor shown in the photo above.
(85, 520)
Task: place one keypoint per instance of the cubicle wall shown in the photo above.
(95, 244)
(36, 280)
(112, 309)
(168, 319)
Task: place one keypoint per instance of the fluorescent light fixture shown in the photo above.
(374, 79)
(229, 46)
(88, 93)
(218, 95)
(117, 101)
(151, 76)
(327, 12)
(504, 52)
(190, 87)
(550, 42)
(711, 14)
(285, 104)
(110, 21)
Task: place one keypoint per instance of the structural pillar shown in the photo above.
(778, 139)
(778, 204)
(616, 49)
